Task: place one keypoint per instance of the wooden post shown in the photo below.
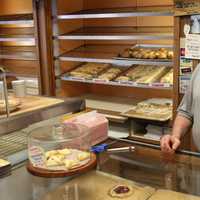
(44, 39)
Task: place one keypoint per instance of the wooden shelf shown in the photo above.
(106, 54)
(118, 13)
(18, 55)
(117, 33)
(20, 19)
(114, 83)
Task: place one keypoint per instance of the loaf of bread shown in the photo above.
(168, 77)
(88, 70)
(110, 74)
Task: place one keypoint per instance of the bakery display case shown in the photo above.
(134, 39)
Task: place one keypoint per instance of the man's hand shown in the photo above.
(169, 144)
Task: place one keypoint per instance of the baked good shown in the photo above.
(70, 164)
(123, 78)
(55, 160)
(64, 152)
(83, 156)
(110, 74)
(81, 75)
(65, 158)
(168, 77)
(13, 103)
(121, 191)
(151, 75)
(153, 109)
(140, 53)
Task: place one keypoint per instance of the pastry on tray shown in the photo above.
(110, 74)
(148, 53)
(65, 159)
(151, 75)
(168, 77)
(121, 191)
(88, 70)
(153, 108)
(143, 74)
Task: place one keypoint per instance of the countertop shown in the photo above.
(144, 165)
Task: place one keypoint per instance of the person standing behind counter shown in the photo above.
(188, 115)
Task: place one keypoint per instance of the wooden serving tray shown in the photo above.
(61, 173)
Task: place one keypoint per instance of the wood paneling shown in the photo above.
(21, 67)
(129, 92)
(90, 4)
(154, 2)
(15, 7)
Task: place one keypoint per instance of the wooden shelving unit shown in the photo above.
(18, 47)
(87, 31)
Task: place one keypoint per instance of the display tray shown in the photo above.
(133, 114)
(114, 81)
(62, 173)
(125, 55)
(153, 109)
(97, 185)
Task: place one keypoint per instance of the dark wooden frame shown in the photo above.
(44, 41)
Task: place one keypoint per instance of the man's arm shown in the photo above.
(181, 126)
(184, 119)
(169, 143)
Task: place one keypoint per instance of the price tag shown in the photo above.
(36, 156)
(192, 46)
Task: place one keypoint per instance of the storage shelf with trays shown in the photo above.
(104, 44)
(117, 13)
(18, 43)
(107, 54)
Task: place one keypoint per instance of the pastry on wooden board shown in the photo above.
(65, 158)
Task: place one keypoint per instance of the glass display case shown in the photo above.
(59, 146)
(145, 169)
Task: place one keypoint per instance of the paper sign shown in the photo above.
(192, 46)
(184, 83)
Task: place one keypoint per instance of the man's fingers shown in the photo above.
(165, 144)
(175, 145)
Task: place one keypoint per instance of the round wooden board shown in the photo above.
(60, 173)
